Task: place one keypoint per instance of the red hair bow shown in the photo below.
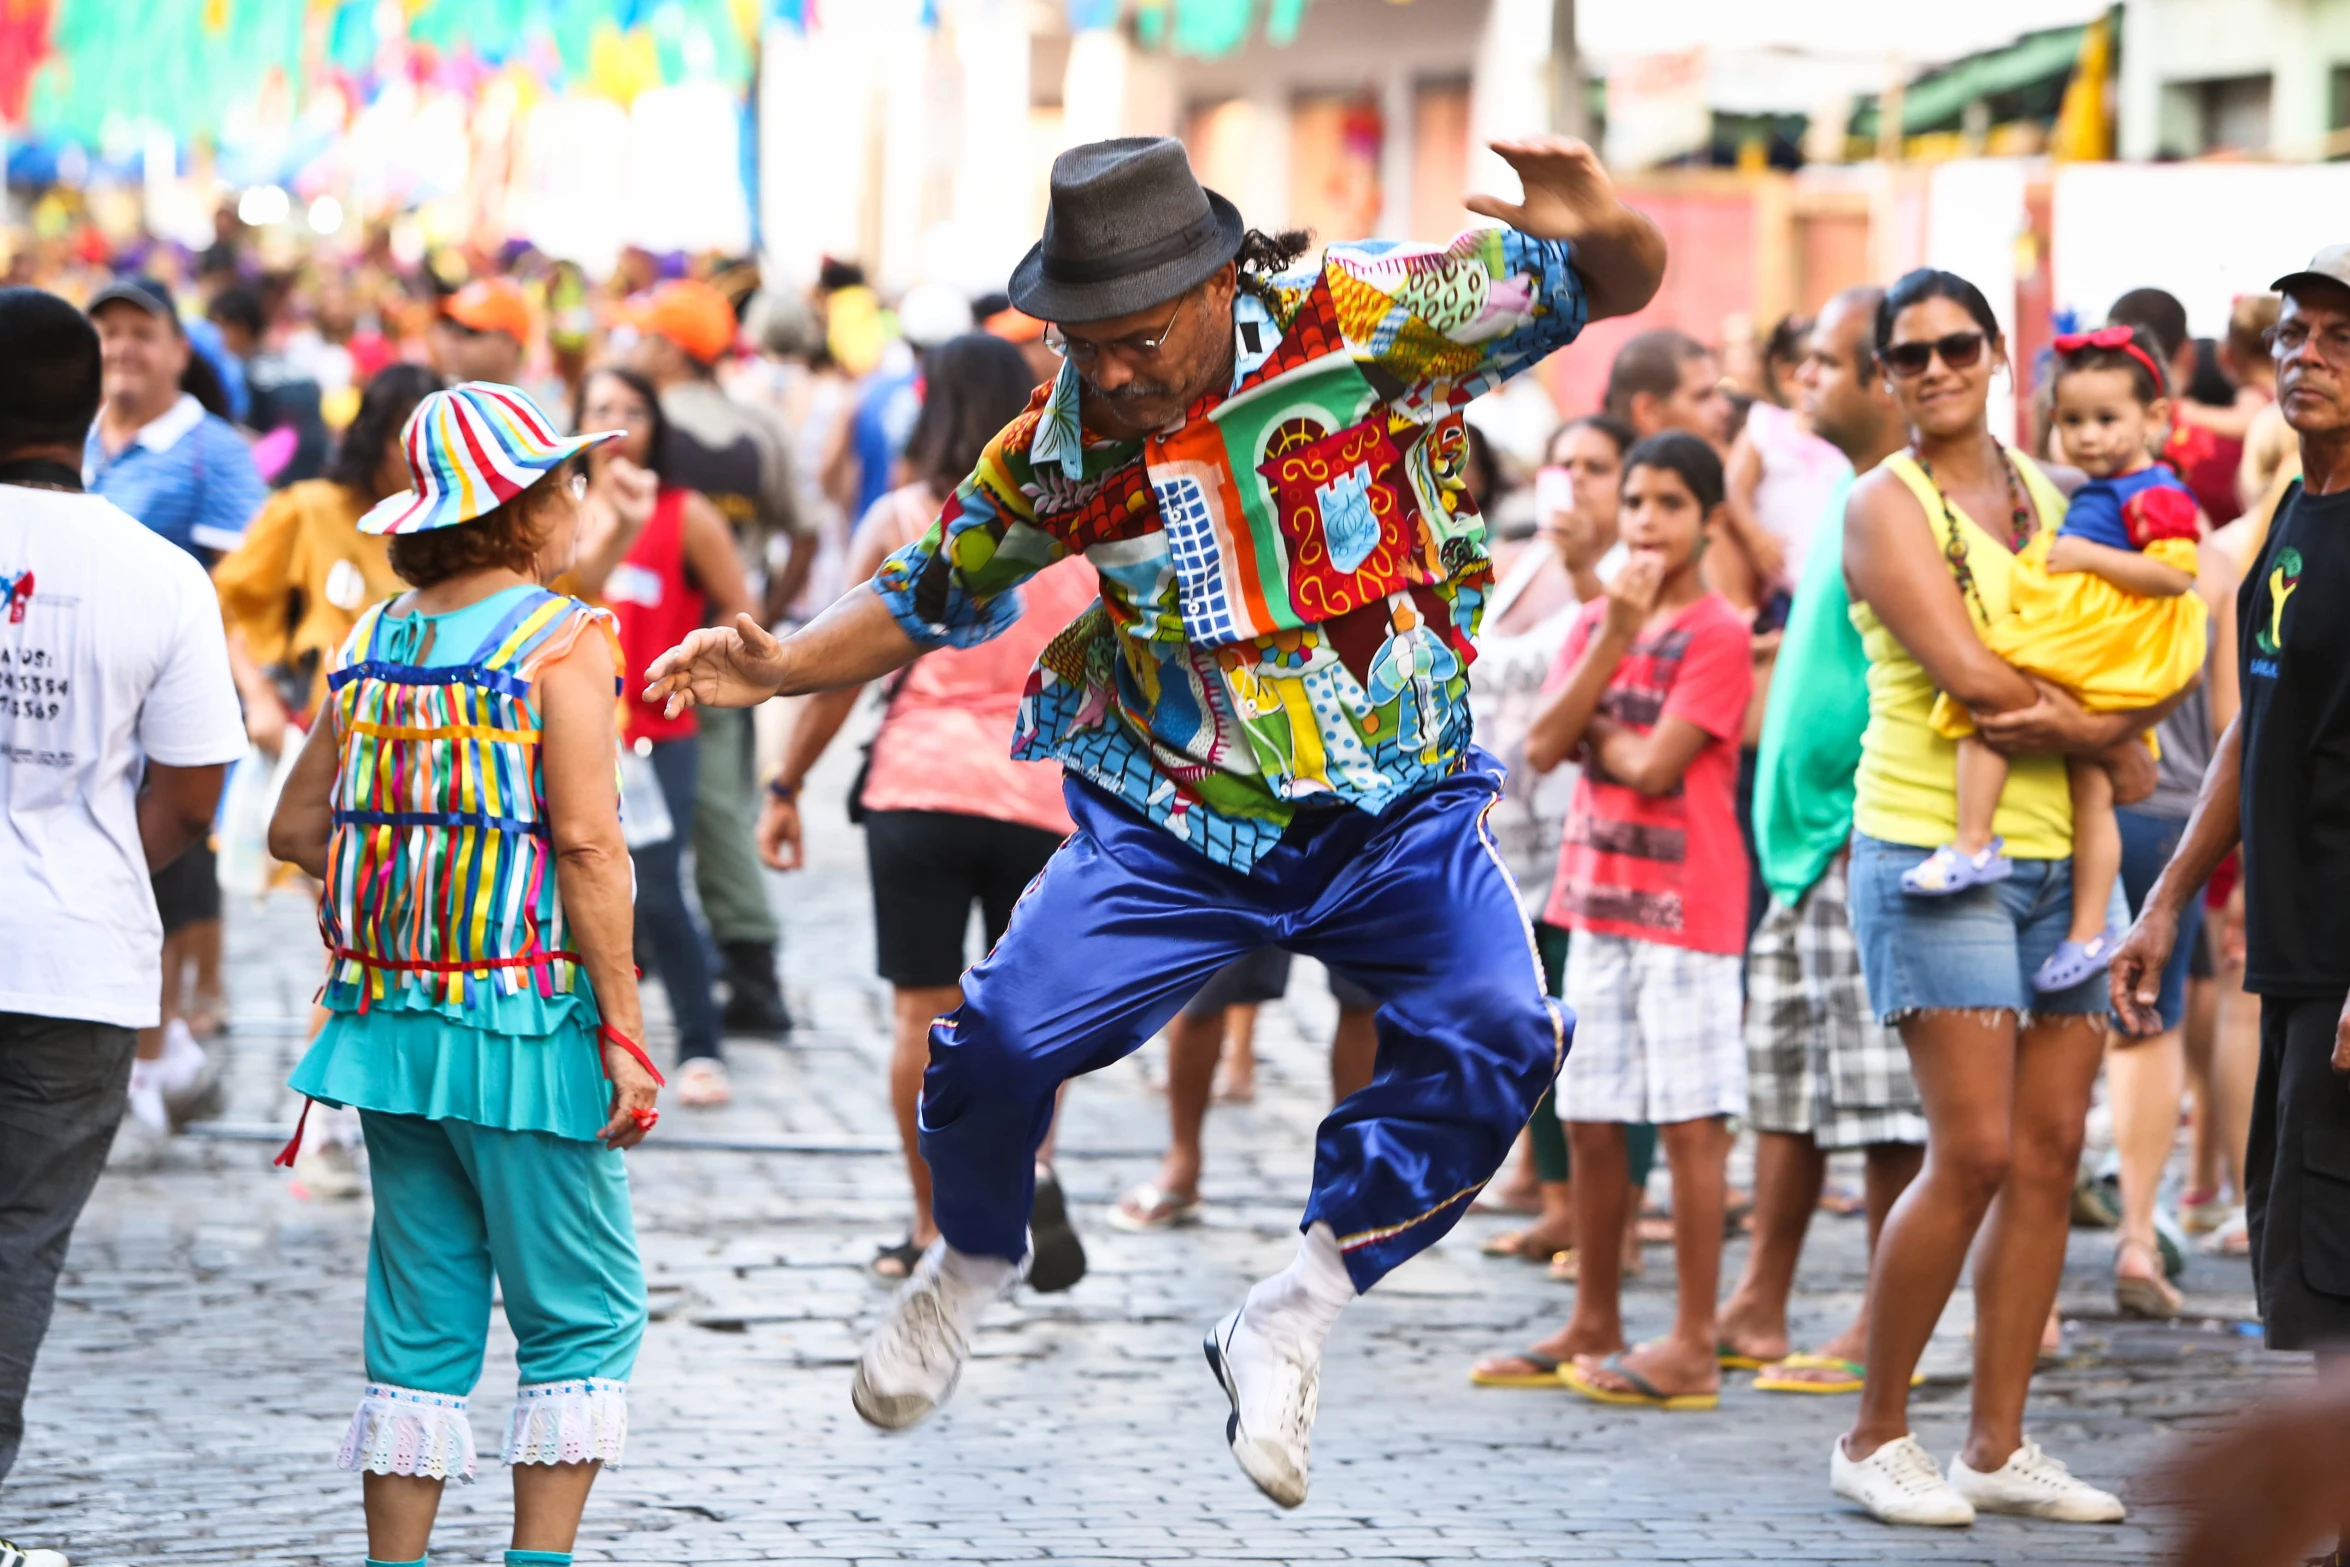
(2120, 337)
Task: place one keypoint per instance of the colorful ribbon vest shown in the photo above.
(440, 878)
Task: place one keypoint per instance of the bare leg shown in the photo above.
(204, 938)
(1237, 1078)
(1354, 1051)
(2235, 1071)
(1965, 1067)
(1789, 1169)
(1193, 1044)
(2022, 1253)
(400, 1511)
(1888, 1172)
(2145, 1079)
(548, 1499)
(1602, 1203)
(1982, 775)
(2097, 846)
(1698, 1153)
(914, 1007)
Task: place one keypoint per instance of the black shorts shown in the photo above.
(188, 889)
(928, 868)
(1260, 977)
(2297, 1176)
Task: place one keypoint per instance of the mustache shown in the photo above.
(1137, 392)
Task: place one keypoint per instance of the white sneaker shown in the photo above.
(27, 1556)
(1898, 1483)
(187, 1076)
(2034, 1485)
(146, 1099)
(911, 1364)
(327, 1171)
(1275, 1389)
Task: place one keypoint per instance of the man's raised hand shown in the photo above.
(718, 666)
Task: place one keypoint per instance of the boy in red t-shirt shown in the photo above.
(1650, 691)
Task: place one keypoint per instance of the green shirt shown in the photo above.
(1812, 723)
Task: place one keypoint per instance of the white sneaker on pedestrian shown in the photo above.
(1275, 1387)
(911, 1364)
(146, 1098)
(2033, 1485)
(326, 1171)
(187, 1076)
(13, 1555)
(1898, 1483)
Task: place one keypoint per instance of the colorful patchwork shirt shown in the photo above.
(1291, 573)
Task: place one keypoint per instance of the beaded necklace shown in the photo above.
(2022, 523)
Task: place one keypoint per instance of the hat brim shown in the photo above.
(1038, 295)
(417, 511)
(2301, 279)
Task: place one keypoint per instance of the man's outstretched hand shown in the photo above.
(1568, 196)
(718, 666)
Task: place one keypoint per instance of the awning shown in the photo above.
(2037, 63)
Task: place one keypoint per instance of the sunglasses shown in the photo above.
(1959, 351)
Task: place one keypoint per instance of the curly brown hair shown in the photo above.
(511, 536)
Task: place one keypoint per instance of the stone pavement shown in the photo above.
(205, 1355)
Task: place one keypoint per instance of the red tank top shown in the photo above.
(656, 606)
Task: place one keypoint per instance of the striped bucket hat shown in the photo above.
(470, 450)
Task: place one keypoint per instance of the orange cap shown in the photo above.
(492, 304)
(691, 314)
(1013, 326)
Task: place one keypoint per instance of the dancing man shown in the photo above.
(1264, 721)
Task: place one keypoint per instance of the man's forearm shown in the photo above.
(2215, 827)
(855, 640)
(1620, 266)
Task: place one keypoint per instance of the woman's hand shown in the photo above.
(2054, 723)
(1631, 598)
(779, 833)
(633, 1090)
(718, 666)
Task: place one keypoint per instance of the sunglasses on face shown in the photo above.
(1959, 351)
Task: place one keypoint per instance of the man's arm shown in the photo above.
(176, 811)
(2215, 827)
(1567, 195)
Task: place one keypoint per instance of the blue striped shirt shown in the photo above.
(188, 476)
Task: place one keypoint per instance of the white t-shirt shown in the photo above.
(111, 650)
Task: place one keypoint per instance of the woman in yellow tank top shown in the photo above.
(2004, 1073)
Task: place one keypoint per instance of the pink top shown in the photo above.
(946, 744)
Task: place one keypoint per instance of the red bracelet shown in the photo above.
(613, 1036)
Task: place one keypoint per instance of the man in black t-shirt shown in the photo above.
(2280, 783)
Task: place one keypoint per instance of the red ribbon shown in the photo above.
(2119, 337)
(611, 1035)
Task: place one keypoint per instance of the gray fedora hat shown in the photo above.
(1128, 227)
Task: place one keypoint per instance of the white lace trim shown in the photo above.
(400, 1431)
(569, 1422)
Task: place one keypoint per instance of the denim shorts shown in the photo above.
(1973, 950)
(2148, 841)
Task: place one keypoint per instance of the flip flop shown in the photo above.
(1147, 1208)
(1644, 1394)
(1731, 1359)
(1545, 1374)
(1854, 1379)
(1513, 1243)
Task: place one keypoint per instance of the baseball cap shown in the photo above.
(491, 304)
(2330, 265)
(691, 314)
(144, 292)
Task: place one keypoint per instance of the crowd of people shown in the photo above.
(1779, 746)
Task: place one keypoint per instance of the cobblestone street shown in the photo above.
(206, 1349)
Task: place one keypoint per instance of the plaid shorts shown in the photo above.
(1656, 1033)
(1818, 1061)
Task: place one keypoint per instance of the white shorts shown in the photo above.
(1657, 1035)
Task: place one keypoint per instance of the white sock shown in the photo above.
(183, 1059)
(969, 1283)
(1301, 1303)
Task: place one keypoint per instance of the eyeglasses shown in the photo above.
(578, 487)
(2288, 338)
(1959, 351)
(1080, 352)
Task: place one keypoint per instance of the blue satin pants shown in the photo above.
(1126, 922)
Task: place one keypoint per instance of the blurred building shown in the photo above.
(2266, 78)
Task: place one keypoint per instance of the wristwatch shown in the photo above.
(789, 794)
